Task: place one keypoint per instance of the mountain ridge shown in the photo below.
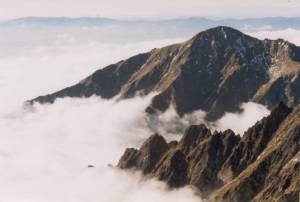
(262, 165)
(215, 71)
(199, 22)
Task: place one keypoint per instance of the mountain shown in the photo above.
(57, 21)
(214, 71)
(192, 23)
(262, 165)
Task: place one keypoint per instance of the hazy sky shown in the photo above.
(149, 8)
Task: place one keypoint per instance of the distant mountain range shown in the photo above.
(57, 21)
(193, 23)
(215, 71)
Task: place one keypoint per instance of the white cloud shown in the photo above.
(44, 153)
(240, 122)
(47, 65)
(290, 35)
(171, 125)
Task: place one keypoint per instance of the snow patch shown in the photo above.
(224, 34)
(294, 78)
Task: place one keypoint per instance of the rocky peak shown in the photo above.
(193, 136)
(281, 111)
(253, 142)
(215, 71)
(272, 176)
(281, 48)
(172, 168)
(220, 33)
(147, 157)
(129, 159)
(262, 165)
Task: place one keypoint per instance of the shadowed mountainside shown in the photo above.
(262, 165)
(214, 71)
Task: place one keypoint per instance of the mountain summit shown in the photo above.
(214, 71)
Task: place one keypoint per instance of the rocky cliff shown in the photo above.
(214, 71)
(262, 165)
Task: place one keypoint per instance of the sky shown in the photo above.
(149, 9)
(45, 150)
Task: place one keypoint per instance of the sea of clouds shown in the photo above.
(45, 150)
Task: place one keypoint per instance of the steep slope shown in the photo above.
(274, 176)
(105, 82)
(262, 165)
(215, 71)
(253, 142)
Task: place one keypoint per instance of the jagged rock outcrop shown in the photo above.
(262, 165)
(215, 71)
(253, 142)
(172, 168)
(269, 177)
(147, 157)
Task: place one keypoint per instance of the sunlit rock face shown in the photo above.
(262, 165)
(215, 71)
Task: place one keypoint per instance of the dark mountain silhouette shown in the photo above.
(214, 71)
(262, 165)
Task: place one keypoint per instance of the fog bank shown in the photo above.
(45, 150)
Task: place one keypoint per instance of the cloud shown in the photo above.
(35, 63)
(240, 122)
(137, 190)
(172, 126)
(290, 35)
(45, 151)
